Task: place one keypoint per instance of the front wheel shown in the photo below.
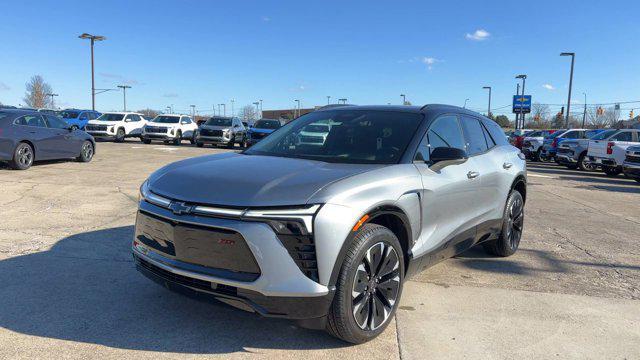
(193, 138)
(86, 152)
(584, 165)
(120, 135)
(369, 286)
(178, 140)
(74, 127)
(512, 225)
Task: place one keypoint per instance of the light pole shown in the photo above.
(298, 107)
(573, 58)
(233, 112)
(124, 94)
(524, 78)
(488, 107)
(257, 104)
(193, 112)
(328, 99)
(52, 95)
(224, 109)
(260, 108)
(93, 39)
(168, 109)
(344, 100)
(404, 99)
(517, 94)
(584, 113)
(465, 103)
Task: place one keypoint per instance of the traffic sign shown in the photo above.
(522, 104)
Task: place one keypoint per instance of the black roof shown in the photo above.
(436, 108)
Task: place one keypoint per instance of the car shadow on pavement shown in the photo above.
(476, 258)
(86, 289)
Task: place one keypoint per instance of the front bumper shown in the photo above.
(213, 140)
(101, 134)
(158, 136)
(278, 275)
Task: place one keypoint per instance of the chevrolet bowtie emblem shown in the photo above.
(180, 208)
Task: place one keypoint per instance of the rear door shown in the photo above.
(67, 145)
(449, 196)
(35, 128)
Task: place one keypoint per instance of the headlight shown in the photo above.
(146, 195)
(293, 221)
(144, 191)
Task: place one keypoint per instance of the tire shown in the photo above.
(611, 171)
(571, 166)
(146, 141)
(512, 226)
(583, 165)
(193, 137)
(23, 157)
(244, 144)
(178, 140)
(199, 144)
(637, 179)
(120, 135)
(86, 152)
(372, 239)
(536, 156)
(231, 142)
(74, 127)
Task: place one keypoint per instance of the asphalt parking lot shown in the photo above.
(68, 287)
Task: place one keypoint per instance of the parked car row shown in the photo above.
(614, 151)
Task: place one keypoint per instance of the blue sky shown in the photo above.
(209, 52)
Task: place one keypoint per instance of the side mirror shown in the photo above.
(445, 156)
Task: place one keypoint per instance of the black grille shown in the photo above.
(210, 132)
(303, 251)
(632, 159)
(96, 127)
(188, 281)
(156, 129)
(312, 139)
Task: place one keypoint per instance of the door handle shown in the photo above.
(507, 165)
(473, 174)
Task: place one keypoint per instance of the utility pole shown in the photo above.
(124, 94)
(488, 107)
(224, 109)
(404, 99)
(573, 57)
(93, 39)
(584, 113)
(52, 95)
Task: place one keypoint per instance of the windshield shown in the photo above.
(355, 137)
(556, 134)
(218, 122)
(110, 117)
(70, 114)
(536, 134)
(267, 124)
(603, 135)
(166, 119)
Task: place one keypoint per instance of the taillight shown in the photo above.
(610, 148)
(555, 143)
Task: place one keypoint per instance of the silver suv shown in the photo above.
(220, 130)
(327, 234)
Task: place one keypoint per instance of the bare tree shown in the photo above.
(249, 113)
(36, 95)
(608, 117)
(149, 113)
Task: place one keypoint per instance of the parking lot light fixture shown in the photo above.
(52, 95)
(124, 94)
(573, 58)
(465, 103)
(328, 99)
(404, 99)
(93, 39)
(489, 106)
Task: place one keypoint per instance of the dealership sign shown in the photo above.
(521, 104)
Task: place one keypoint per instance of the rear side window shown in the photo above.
(30, 120)
(474, 134)
(573, 135)
(443, 132)
(498, 136)
(622, 136)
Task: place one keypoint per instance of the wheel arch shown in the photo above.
(390, 216)
(33, 147)
(520, 185)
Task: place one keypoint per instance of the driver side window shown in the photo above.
(443, 132)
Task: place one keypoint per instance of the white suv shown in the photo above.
(170, 128)
(609, 152)
(116, 125)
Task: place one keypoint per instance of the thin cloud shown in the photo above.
(120, 78)
(4, 87)
(478, 35)
(170, 95)
(430, 61)
(266, 19)
(548, 87)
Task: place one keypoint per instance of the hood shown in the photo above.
(261, 131)
(240, 180)
(161, 125)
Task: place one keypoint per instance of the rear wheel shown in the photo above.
(146, 141)
(199, 144)
(74, 127)
(86, 152)
(120, 134)
(512, 225)
(611, 171)
(369, 286)
(23, 157)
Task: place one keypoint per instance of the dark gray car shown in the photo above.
(28, 136)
